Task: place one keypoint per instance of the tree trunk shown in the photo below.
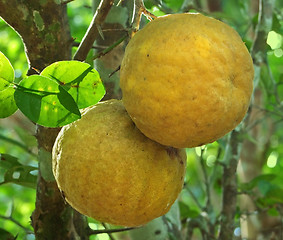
(44, 29)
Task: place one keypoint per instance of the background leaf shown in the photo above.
(15, 172)
(79, 79)
(257, 182)
(25, 137)
(187, 212)
(45, 102)
(7, 75)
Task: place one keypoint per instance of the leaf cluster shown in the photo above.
(55, 96)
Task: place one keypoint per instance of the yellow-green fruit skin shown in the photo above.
(108, 170)
(186, 79)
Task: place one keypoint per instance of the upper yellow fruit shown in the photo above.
(108, 170)
(186, 79)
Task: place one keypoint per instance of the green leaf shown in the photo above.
(258, 181)
(79, 79)
(264, 187)
(15, 172)
(274, 193)
(186, 211)
(273, 212)
(7, 75)
(271, 196)
(45, 102)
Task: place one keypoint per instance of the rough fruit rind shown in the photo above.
(108, 170)
(186, 79)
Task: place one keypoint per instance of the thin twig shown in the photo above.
(66, 2)
(208, 206)
(163, 7)
(115, 70)
(109, 234)
(256, 122)
(93, 31)
(216, 164)
(28, 231)
(110, 48)
(139, 10)
(139, 7)
(76, 44)
(194, 198)
(94, 232)
(17, 143)
(206, 181)
(200, 224)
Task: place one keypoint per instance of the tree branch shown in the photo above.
(93, 30)
(259, 47)
(229, 186)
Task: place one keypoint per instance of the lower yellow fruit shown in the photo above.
(108, 170)
(186, 79)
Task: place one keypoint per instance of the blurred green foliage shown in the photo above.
(16, 135)
(12, 47)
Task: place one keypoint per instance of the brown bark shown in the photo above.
(214, 5)
(93, 30)
(44, 29)
(52, 217)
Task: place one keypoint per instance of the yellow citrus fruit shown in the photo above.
(186, 79)
(108, 170)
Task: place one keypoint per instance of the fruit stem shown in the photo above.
(140, 9)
